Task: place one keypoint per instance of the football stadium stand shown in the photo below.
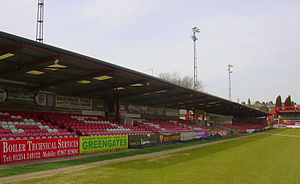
(288, 116)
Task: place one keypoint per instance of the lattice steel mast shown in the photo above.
(229, 80)
(194, 38)
(40, 21)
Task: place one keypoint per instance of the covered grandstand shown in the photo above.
(50, 93)
(32, 66)
(286, 116)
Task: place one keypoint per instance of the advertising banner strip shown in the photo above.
(73, 102)
(202, 134)
(142, 140)
(20, 95)
(34, 149)
(103, 143)
(170, 137)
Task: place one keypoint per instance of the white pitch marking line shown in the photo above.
(284, 135)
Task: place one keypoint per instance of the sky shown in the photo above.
(260, 38)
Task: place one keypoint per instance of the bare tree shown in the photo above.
(185, 81)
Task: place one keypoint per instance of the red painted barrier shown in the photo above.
(34, 149)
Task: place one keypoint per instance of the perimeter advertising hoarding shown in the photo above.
(170, 137)
(187, 136)
(202, 134)
(103, 143)
(220, 132)
(142, 140)
(34, 149)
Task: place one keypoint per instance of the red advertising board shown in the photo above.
(34, 149)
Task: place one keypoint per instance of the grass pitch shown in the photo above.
(272, 157)
(92, 159)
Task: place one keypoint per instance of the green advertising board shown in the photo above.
(21, 95)
(103, 143)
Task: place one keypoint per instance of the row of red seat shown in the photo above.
(52, 125)
(105, 133)
(165, 126)
(87, 125)
(43, 135)
(22, 125)
(244, 126)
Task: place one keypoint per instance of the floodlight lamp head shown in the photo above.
(196, 30)
(194, 38)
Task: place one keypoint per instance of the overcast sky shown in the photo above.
(259, 37)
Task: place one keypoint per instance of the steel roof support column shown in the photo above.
(118, 109)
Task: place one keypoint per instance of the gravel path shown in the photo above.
(105, 162)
